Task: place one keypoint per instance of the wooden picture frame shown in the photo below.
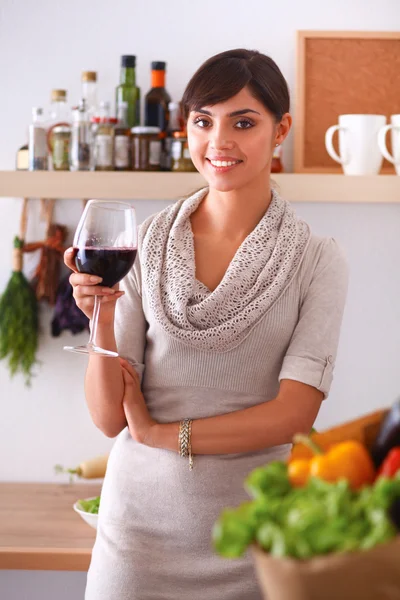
(341, 72)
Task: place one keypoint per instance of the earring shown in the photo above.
(276, 145)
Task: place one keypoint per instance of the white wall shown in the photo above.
(46, 44)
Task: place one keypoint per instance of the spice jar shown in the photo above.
(60, 140)
(103, 130)
(181, 160)
(146, 148)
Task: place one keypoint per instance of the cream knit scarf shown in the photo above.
(259, 273)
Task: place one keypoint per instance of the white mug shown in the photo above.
(358, 143)
(395, 127)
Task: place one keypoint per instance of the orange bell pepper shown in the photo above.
(348, 460)
(299, 472)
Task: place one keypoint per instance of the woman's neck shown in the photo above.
(234, 214)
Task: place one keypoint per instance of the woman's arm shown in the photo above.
(268, 424)
(104, 386)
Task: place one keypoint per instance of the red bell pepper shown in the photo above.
(391, 464)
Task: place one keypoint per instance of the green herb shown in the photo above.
(19, 324)
(90, 506)
(319, 518)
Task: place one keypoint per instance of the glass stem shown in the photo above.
(95, 320)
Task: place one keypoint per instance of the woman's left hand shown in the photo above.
(140, 423)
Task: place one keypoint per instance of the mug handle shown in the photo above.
(382, 143)
(329, 145)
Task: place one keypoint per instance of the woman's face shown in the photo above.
(231, 143)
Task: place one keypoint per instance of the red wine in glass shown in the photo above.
(105, 244)
(112, 264)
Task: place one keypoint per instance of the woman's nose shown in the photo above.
(220, 140)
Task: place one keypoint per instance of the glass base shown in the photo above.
(91, 349)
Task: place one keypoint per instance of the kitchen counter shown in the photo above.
(39, 528)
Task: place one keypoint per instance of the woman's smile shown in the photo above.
(223, 164)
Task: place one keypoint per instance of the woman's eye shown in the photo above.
(244, 124)
(200, 122)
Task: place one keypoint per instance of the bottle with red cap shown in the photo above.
(157, 99)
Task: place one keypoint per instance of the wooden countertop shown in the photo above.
(39, 528)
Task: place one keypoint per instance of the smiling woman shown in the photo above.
(229, 325)
(236, 116)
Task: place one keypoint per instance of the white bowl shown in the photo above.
(90, 518)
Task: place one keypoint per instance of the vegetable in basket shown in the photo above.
(349, 460)
(319, 518)
(391, 464)
(388, 436)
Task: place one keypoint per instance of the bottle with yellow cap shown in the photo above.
(59, 111)
(89, 92)
(58, 126)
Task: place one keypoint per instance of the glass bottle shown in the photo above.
(38, 157)
(180, 154)
(276, 164)
(122, 140)
(175, 117)
(81, 146)
(157, 99)
(89, 92)
(59, 112)
(104, 139)
(128, 91)
(60, 143)
(59, 116)
(175, 124)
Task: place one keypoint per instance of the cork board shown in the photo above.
(341, 72)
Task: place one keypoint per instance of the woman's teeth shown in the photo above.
(224, 163)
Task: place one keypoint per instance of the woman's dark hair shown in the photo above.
(223, 76)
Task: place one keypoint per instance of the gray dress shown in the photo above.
(154, 532)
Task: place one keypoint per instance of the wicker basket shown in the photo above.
(369, 575)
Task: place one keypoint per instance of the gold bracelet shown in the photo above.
(185, 440)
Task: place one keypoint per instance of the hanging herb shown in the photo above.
(19, 315)
(46, 278)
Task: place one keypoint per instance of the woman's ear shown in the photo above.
(283, 128)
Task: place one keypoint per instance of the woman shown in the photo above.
(230, 318)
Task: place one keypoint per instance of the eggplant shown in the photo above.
(394, 513)
(388, 436)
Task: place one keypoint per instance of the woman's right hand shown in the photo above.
(86, 287)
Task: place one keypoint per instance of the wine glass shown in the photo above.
(105, 244)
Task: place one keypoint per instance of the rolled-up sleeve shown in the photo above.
(311, 355)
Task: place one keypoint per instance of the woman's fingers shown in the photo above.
(87, 302)
(84, 279)
(127, 377)
(128, 370)
(69, 259)
(93, 290)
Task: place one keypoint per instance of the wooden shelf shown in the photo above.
(170, 186)
(39, 528)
